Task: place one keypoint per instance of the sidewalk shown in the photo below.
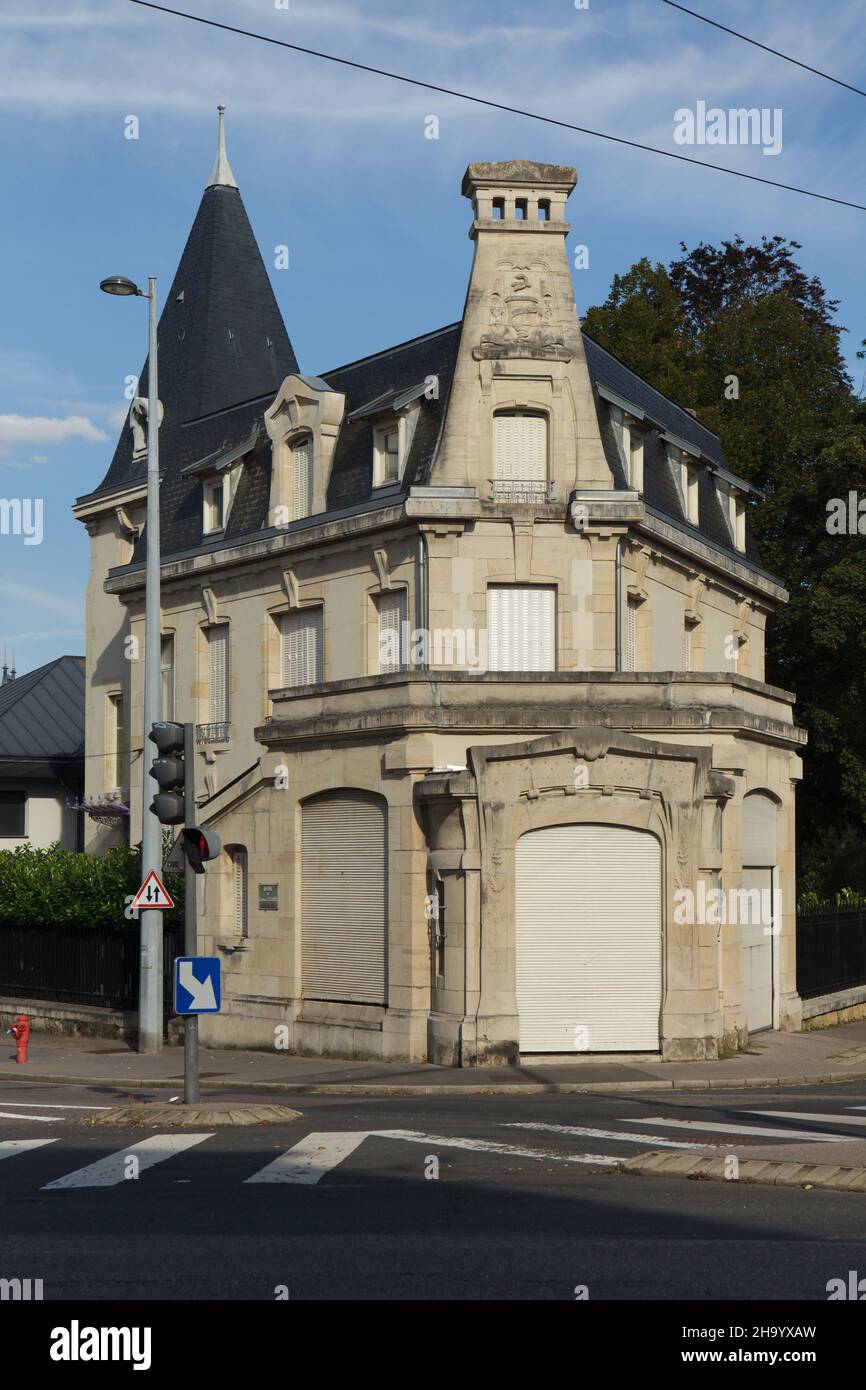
(774, 1059)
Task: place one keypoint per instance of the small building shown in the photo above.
(472, 634)
(42, 755)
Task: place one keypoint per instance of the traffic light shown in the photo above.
(168, 770)
(199, 845)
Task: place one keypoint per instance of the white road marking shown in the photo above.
(585, 1133)
(109, 1171)
(45, 1105)
(809, 1115)
(309, 1160)
(34, 1119)
(490, 1146)
(712, 1127)
(10, 1147)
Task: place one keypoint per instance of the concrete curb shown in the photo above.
(369, 1088)
(194, 1116)
(772, 1173)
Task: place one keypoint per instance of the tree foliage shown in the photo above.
(795, 428)
(50, 886)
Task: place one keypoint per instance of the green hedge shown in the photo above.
(846, 897)
(57, 885)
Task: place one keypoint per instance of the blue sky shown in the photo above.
(334, 164)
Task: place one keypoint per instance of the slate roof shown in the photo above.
(42, 718)
(224, 352)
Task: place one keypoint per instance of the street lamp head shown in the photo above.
(118, 284)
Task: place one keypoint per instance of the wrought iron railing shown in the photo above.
(66, 964)
(831, 951)
(212, 733)
(521, 490)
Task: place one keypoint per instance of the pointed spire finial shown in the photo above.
(221, 174)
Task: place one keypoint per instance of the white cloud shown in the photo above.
(42, 429)
(41, 598)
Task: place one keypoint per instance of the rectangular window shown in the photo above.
(12, 817)
(691, 485)
(387, 455)
(116, 761)
(302, 478)
(214, 506)
(635, 461)
(521, 628)
(392, 630)
(218, 674)
(630, 653)
(520, 447)
(167, 676)
(301, 635)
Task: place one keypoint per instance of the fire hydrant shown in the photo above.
(20, 1031)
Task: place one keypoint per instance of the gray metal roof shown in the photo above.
(42, 712)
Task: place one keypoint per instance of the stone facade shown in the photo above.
(464, 759)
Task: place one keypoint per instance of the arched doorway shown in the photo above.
(344, 897)
(588, 918)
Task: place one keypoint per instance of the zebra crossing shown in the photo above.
(524, 1145)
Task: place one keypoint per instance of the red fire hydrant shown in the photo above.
(20, 1031)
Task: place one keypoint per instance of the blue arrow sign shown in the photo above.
(197, 985)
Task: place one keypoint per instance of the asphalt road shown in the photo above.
(468, 1198)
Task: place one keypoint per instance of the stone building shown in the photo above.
(472, 632)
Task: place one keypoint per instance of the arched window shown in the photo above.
(237, 856)
(520, 446)
(302, 478)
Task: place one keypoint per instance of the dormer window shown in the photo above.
(629, 438)
(392, 439)
(388, 460)
(302, 478)
(690, 482)
(519, 455)
(734, 509)
(214, 505)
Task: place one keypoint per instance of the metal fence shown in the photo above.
(831, 951)
(80, 965)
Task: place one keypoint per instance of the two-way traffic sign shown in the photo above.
(152, 893)
(197, 985)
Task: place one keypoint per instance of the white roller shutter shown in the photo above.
(757, 950)
(344, 897)
(520, 447)
(521, 628)
(392, 620)
(589, 939)
(631, 635)
(218, 659)
(302, 640)
(302, 461)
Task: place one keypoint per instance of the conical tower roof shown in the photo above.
(223, 346)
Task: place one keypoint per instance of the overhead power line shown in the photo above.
(497, 105)
(786, 57)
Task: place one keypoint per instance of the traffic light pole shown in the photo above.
(190, 905)
(150, 1018)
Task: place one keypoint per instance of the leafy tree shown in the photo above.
(795, 429)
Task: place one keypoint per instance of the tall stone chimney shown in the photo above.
(521, 345)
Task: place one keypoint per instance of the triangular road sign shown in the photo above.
(152, 893)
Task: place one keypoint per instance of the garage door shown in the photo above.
(344, 903)
(588, 937)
